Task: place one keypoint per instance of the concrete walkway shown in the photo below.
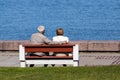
(91, 59)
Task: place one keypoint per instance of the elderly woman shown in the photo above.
(58, 38)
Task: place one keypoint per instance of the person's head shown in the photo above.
(41, 29)
(59, 31)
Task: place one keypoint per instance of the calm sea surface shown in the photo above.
(81, 19)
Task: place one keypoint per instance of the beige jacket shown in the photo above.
(38, 38)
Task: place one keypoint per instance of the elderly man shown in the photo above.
(40, 38)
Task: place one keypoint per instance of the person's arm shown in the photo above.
(47, 41)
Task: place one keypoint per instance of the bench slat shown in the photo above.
(50, 45)
(56, 49)
(49, 57)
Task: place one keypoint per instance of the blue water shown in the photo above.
(81, 19)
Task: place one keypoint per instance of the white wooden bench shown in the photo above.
(64, 48)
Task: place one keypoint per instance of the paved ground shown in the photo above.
(91, 59)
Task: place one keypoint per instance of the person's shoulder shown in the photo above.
(54, 37)
(65, 36)
(34, 34)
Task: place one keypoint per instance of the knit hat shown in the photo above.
(41, 28)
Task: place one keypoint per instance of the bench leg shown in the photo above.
(22, 64)
(76, 55)
(75, 63)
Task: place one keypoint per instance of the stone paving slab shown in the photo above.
(90, 59)
(99, 59)
(9, 61)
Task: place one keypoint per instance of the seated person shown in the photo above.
(58, 38)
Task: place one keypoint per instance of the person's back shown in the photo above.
(60, 38)
(38, 38)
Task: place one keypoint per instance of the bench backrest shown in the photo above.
(48, 48)
(28, 48)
